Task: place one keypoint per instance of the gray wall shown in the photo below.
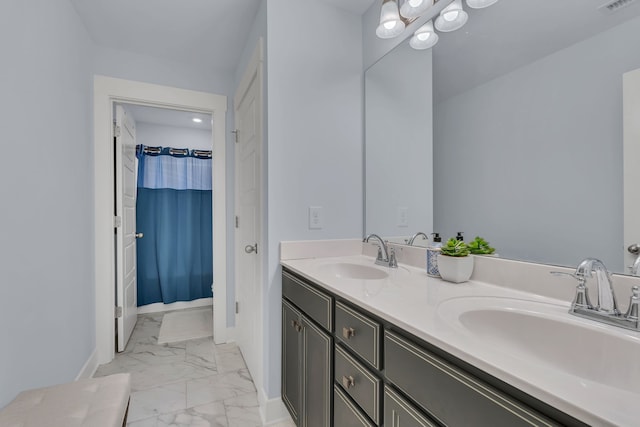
(46, 255)
(533, 160)
(152, 134)
(314, 139)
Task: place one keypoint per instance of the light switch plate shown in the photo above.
(316, 219)
(403, 216)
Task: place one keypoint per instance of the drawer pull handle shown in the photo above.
(347, 333)
(348, 382)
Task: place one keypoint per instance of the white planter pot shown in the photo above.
(455, 269)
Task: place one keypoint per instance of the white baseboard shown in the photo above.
(272, 410)
(179, 305)
(90, 366)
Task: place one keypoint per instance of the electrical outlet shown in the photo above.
(316, 219)
(403, 216)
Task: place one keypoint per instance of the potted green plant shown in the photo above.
(479, 246)
(454, 263)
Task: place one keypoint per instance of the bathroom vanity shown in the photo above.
(365, 345)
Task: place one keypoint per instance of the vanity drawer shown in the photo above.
(443, 390)
(315, 304)
(345, 413)
(358, 382)
(359, 333)
(400, 413)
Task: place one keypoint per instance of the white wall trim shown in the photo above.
(90, 367)
(108, 90)
(271, 410)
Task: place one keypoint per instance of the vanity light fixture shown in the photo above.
(197, 120)
(480, 4)
(415, 8)
(424, 38)
(390, 23)
(452, 17)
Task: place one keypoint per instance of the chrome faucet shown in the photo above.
(386, 258)
(606, 311)
(419, 233)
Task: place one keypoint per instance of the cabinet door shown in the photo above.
(400, 413)
(317, 346)
(291, 361)
(345, 413)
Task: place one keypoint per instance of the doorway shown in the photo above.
(164, 246)
(107, 92)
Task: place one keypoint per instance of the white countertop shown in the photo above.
(411, 300)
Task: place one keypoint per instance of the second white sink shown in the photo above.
(537, 332)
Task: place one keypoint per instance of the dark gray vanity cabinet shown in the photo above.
(449, 394)
(307, 360)
(378, 375)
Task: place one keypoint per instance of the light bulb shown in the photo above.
(390, 23)
(424, 37)
(452, 17)
(415, 8)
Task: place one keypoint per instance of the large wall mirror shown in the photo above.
(522, 139)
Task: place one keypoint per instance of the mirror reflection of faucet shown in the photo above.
(413, 238)
(386, 257)
(606, 310)
(635, 250)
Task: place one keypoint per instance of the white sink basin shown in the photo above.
(345, 270)
(537, 332)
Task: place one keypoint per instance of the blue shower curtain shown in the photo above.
(173, 211)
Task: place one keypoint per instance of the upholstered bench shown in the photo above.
(93, 402)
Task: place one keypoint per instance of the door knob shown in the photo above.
(251, 248)
(139, 235)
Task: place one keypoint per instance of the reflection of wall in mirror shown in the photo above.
(399, 157)
(541, 148)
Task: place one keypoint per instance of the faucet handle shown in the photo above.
(581, 300)
(379, 257)
(393, 262)
(634, 302)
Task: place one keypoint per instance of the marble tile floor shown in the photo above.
(189, 383)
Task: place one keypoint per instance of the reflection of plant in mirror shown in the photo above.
(456, 248)
(479, 246)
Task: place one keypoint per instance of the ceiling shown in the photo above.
(207, 34)
(211, 34)
(513, 33)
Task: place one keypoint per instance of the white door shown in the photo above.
(126, 289)
(247, 105)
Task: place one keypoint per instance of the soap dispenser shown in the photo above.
(460, 237)
(432, 255)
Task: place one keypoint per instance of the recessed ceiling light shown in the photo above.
(197, 120)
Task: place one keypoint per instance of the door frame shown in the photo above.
(631, 153)
(107, 91)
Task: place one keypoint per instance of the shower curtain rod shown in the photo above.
(177, 151)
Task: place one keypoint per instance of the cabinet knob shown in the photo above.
(296, 325)
(348, 382)
(347, 333)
